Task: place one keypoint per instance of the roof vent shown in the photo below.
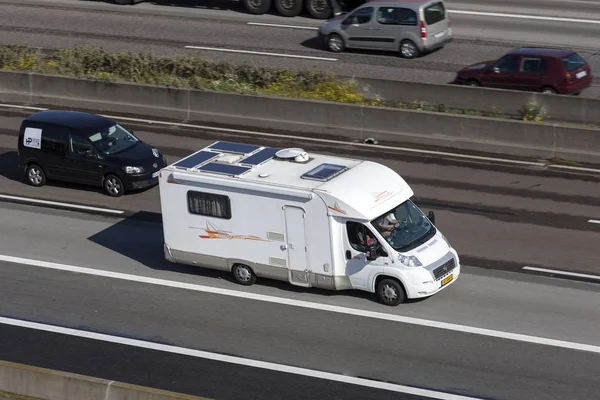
(296, 154)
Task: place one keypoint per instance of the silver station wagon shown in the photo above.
(411, 27)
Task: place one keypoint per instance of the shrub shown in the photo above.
(532, 112)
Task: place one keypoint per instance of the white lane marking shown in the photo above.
(311, 139)
(553, 271)
(520, 16)
(312, 28)
(247, 362)
(569, 167)
(594, 221)
(262, 53)
(304, 304)
(56, 203)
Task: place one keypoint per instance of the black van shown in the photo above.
(86, 148)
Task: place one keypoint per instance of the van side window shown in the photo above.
(208, 204)
(79, 146)
(530, 64)
(361, 16)
(52, 141)
(396, 16)
(357, 233)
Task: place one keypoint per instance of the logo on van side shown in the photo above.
(214, 232)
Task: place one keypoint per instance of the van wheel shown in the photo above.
(35, 175)
(408, 49)
(243, 275)
(318, 9)
(390, 292)
(289, 8)
(335, 43)
(548, 89)
(113, 185)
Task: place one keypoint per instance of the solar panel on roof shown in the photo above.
(260, 157)
(324, 172)
(224, 169)
(234, 147)
(196, 159)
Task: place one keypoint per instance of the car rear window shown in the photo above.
(435, 13)
(573, 62)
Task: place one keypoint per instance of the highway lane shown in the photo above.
(67, 23)
(433, 358)
(494, 216)
(483, 298)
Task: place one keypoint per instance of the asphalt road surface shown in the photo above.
(167, 27)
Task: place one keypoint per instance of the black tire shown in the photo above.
(473, 83)
(390, 292)
(548, 89)
(318, 9)
(113, 186)
(243, 275)
(289, 8)
(258, 7)
(35, 175)
(335, 43)
(124, 2)
(409, 50)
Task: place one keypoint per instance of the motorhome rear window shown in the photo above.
(209, 204)
(324, 172)
(435, 13)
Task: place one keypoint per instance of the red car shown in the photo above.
(531, 69)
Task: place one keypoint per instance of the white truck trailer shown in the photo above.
(309, 219)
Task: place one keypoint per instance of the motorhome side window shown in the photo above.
(208, 204)
(357, 233)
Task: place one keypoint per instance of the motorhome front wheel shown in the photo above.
(243, 274)
(390, 292)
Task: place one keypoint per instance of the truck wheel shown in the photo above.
(124, 2)
(390, 292)
(35, 175)
(113, 186)
(243, 274)
(288, 8)
(318, 9)
(258, 7)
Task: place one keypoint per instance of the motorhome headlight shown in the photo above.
(134, 170)
(409, 261)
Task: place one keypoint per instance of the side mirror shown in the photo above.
(431, 217)
(372, 253)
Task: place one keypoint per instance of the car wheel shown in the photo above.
(548, 89)
(35, 175)
(258, 7)
(124, 2)
(390, 292)
(335, 43)
(473, 83)
(408, 49)
(243, 274)
(113, 185)
(318, 9)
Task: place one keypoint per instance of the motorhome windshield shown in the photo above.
(113, 139)
(404, 227)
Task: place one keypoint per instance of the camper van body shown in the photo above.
(290, 216)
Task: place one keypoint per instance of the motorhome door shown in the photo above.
(295, 227)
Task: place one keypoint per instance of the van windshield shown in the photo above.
(113, 140)
(435, 13)
(404, 227)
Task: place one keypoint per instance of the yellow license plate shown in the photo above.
(447, 279)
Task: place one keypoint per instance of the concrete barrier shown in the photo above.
(48, 384)
(353, 123)
(559, 108)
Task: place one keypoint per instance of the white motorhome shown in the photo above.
(303, 218)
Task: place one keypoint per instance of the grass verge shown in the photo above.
(191, 71)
